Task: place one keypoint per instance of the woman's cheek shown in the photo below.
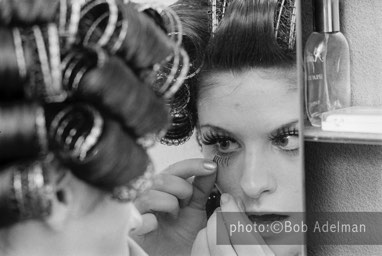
(228, 175)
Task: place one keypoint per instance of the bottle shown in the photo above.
(326, 63)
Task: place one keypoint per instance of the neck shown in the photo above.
(34, 238)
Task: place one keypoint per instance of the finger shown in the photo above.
(202, 187)
(200, 246)
(218, 242)
(192, 167)
(244, 243)
(149, 224)
(173, 185)
(157, 201)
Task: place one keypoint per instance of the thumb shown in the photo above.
(202, 187)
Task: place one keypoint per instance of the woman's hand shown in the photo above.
(247, 244)
(174, 208)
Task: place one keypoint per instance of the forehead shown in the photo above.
(254, 97)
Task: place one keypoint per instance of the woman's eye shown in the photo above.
(227, 146)
(287, 142)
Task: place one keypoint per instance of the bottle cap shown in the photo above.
(326, 15)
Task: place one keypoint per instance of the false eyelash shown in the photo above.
(210, 138)
(221, 160)
(282, 132)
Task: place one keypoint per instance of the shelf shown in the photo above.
(315, 134)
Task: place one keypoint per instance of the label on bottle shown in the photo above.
(315, 62)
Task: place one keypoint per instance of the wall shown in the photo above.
(348, 177)
(163, 156)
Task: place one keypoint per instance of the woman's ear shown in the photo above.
(62, 202)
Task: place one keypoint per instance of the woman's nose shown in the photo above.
(257, 177)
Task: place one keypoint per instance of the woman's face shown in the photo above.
(249, 126)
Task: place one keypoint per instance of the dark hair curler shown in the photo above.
(180, 130)
(27, 12)
(156, 17)
(35, 54)
(285, 24)
(165, 18)
(95, 149)
(68, 22)
(22, 131)
(137, 40)
(12, 68)
(181, 99)
(171, 73)
(92, 76)
(122, 30)
(25, 193)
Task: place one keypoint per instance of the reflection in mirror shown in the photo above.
(245, 154)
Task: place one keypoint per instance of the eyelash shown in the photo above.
(282, 133)
(211, 138)
(221, 160)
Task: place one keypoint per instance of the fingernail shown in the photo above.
(224, 199)
(209, 166)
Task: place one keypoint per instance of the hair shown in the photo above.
(120, 93)
(26, 12)
(22, 136)
(139, 27)
(110, 106)
(12, 83)
(244, 39)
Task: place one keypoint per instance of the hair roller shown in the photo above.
(36, 53)
(26, 193)
(195, 17)
(26, 12)
(47, 55)
(122, 30)
(133, 34)
(68, 21)
(102, 16)
(285, 24)
(172, 74)
(12, 64)
(174, 70)
(181, 129)
(181, 98)
(97, 150)
(156, 17)
(109, 83)
(23, 131)
(166, 19)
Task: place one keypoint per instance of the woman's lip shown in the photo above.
(266, 218)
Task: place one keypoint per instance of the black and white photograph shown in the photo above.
(190, 128)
